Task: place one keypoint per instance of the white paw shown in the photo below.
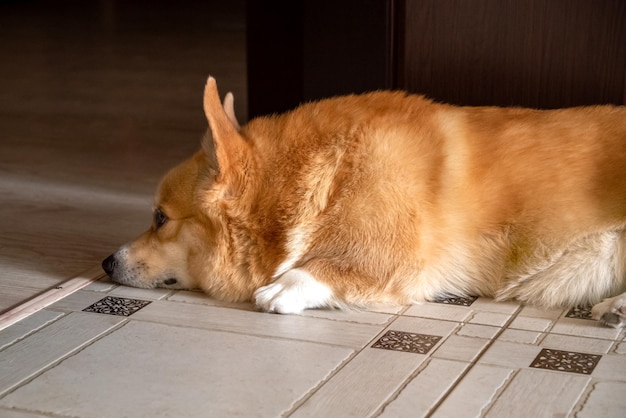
(293, 292)
(611, 311)
(275, 298)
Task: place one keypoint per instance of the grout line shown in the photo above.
(459, 377)
(70, 353)
(298, 403)
(31, 412)
(404, 384)
(36, 329)
(474, 361)
(304, 398)
(420, 369)
(583, 398)
(49, 297)
(244, 333)
(499, 391)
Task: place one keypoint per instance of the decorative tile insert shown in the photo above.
(111, 305)
(457, 300)
(407, 341)
(580, 312)
(566, 361)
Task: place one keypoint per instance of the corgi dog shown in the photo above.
(391, 198)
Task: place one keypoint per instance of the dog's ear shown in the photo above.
(229, 108)
(226, 147)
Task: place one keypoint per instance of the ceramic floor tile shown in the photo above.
(510, 355)
(257, 323)
(569, 342)
(489, 305)
(135, 293)
(447, 312)
(424, 326)
(478, 331)
(537, 312)
(531, 324)
(476, 391)
(456, 347)
(603, 399)
(584, 328)
(362, 386)
(77, 301)
(552, 395)
(102, 285)
(27, 326)
(190, 373)
(520, 336)
(489, 318)
(611, 367)
(11, 413)
(480, 311)
(33, 354)
(425, 390)
(201, 298)
(387, 309)
(364, 317)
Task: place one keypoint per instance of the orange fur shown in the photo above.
(390, 198)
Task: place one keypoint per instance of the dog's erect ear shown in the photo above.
(229, 108)
(230, 148)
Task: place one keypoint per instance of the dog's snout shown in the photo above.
(109, 264)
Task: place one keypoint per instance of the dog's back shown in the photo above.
(409, 199)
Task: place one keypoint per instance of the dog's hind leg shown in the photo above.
(611, 311)
(588, 270)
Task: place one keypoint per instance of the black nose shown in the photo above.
(109, 264)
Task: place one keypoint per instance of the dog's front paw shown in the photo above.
(611, 312)
(276, 298)
(293, 292)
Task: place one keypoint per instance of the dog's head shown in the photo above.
(181, 250)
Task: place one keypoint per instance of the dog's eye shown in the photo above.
(160, 218)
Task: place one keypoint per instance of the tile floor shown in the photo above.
(109, 351)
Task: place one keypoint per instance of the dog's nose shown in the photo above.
(109, 264)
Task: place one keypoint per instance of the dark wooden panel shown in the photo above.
(303, 50)
(539, 53)
(346, 47)
(274, 55)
